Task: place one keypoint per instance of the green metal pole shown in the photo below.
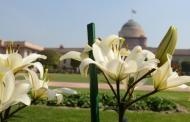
(93, 77)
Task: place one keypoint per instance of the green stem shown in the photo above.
(17, 110)
(144, 96)
(1, 116)
(121, 112)
(7, 111)
(121, 109)
(109, 84)
(133, 84)
(118, 92)
(130, 94)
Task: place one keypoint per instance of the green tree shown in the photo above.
(75, 64)
(185, 65)
(52, 60)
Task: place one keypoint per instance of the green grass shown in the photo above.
(62, 77)
(71, 78)
(67, 77)
(58, 114)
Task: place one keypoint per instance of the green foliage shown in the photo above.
(160, 104)
(109, 102)
(52, 60)
(139, 105)
(185, 66)
(75, 63)
(154, 104)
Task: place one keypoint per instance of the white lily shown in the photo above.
(40, 89)
(76, 55)
(12, 93)
(16, 62)
(145, 62)
(165, 78)
(110, 57)
(56, 94)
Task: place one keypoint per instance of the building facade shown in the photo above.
(24, 48)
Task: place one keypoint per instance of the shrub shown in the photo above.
(109, 102)
(52, 60)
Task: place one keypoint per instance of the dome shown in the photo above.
(131, 29)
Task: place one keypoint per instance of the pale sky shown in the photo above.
(50, 23)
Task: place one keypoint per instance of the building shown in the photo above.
(24, 48)
(133, 34)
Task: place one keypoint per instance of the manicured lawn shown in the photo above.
(78, 78)
(71, 77)
(57, 114)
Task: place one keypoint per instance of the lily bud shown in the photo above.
(167, 45)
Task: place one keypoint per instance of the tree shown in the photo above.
(185, 66)
(52, 60)
(75, 64)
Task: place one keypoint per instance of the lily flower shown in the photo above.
(110, 57)
(165, 78)
(12, 92)
(145, 61)
(16, 62)
(40, 89)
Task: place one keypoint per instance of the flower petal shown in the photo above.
(25, 99)
(174, 82)
(161, 75)
(59, 98)
(20, 93)
(71, 55)
(32, 57)
(14, 60)
(65, 91)
(85, 65)
(40, 68)
(101, 55)
(33, 79)
(7, 86)
(51, 95)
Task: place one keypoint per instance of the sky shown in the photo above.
(50, 23)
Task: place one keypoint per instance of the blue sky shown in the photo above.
(50, 23)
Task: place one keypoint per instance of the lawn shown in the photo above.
(77, 78)
(71, 77)
(63, 114)
(53, 114)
